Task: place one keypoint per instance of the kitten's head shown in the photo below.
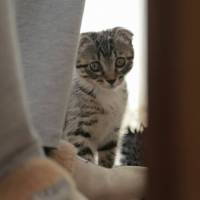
(105, 57)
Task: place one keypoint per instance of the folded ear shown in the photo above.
(84, 40)
(123, 35)
(86, 48)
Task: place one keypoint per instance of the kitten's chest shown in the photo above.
(114, 106)
(113, 103)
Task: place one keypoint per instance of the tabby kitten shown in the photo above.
(99, 95)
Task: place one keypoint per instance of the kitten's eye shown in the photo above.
(120, 62)
(95, 66)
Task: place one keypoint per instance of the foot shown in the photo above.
(38, 179)
(99, 183)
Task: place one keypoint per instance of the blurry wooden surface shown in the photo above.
(173, 138)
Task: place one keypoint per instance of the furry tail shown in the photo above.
(131, 150)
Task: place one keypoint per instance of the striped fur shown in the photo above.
(131, 147)
(99, 96)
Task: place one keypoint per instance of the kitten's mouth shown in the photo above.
(111, 87)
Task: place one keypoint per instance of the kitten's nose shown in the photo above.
(111, 81)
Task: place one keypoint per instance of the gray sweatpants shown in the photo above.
(37, 58)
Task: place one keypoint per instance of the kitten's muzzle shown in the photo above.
(111, 81)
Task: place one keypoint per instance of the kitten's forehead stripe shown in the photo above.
(104, 43)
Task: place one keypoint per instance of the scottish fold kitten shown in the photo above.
(99, 95)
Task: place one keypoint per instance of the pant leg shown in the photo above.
(17, 142)
(49, 33)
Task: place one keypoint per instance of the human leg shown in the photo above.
(48, 33)
(96, 182)
(16, 136)
(25, 172)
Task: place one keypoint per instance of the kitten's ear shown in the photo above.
(84, 40)
(123, 35)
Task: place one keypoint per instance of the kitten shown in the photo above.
(99, 95)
